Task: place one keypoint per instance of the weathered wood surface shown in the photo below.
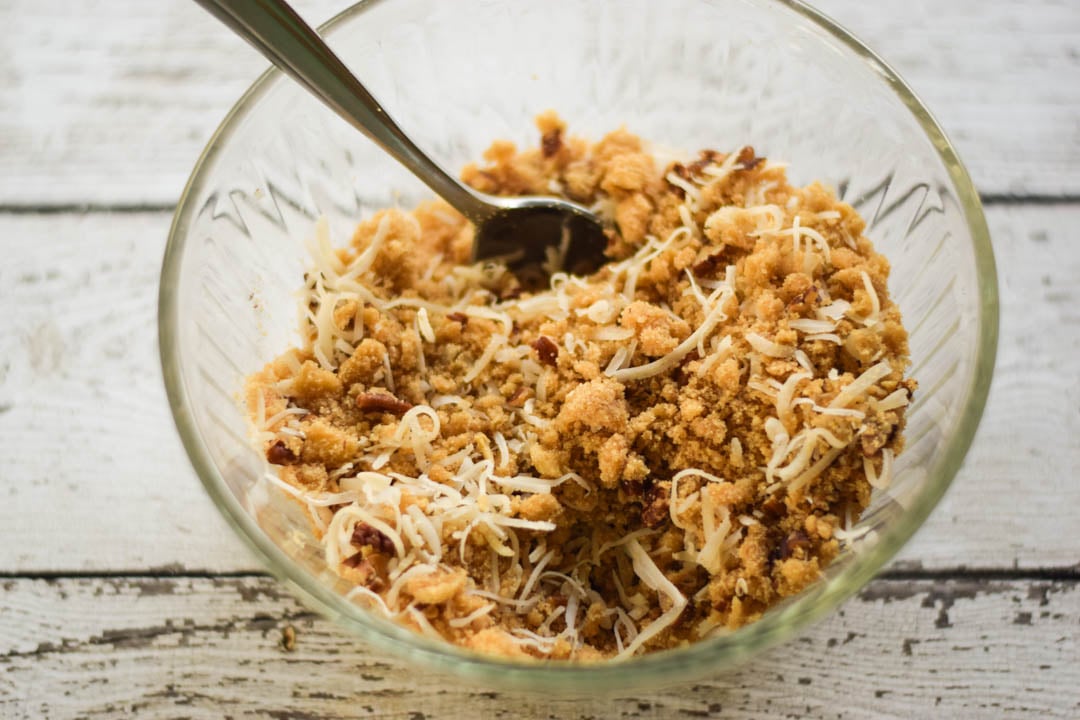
(113, 601)
(91, 444)
(135, 89)
(1013, 111)
(210, 648)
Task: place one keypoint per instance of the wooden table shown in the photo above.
(123, 591)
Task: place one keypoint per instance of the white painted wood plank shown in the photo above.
(90, 444)
(204, 648)
(1002, 79)
(112, 102)
(94, 475)
(1011, 503)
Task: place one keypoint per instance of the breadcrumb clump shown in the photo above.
(622, 463)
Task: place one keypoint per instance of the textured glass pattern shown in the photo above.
(686, 74)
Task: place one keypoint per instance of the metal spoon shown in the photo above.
(519, 229)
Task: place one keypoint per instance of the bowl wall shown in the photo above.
(686, 74)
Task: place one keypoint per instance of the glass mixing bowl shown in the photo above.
(687, 74)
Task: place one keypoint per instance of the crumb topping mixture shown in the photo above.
(621, 463)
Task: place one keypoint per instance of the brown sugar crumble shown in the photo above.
(624, 462)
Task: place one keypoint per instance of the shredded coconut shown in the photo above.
(619, 463)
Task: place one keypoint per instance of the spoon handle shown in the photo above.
(275, 30)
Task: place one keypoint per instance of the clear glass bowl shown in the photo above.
(684, 73)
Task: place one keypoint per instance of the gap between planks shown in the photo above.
(988, 200)
(898, 574)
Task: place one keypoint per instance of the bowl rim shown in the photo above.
(641, 672)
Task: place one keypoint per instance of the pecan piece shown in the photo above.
(773, 508)
(519, 397)
(805, 300)
(551, 142)
(793, 543)
(365, 535)
(707, 158)
(655, 510)
(708, 267)
(512, 292)
(378, 402)
(680, 171)
(279, 454)
(747, 158)
(546, 350)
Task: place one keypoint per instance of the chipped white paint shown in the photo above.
(162, 648)
(110, 103)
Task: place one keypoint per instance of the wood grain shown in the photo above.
(122, 591)
(91, 445)
(95, 476)
(129, 105)
(212, 648)
(1013, 111)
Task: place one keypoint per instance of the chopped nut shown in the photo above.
(519, 397)
(510, 292)
(747, 159)
(551, 142)
(366, 536)
(795, 543)
(655, 510)
(707, 268)
(279, 454)
(377, 402)
(546, 350)
(773, 508)
(681, 171)
(706, 158)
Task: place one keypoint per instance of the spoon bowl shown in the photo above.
(536, 236)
